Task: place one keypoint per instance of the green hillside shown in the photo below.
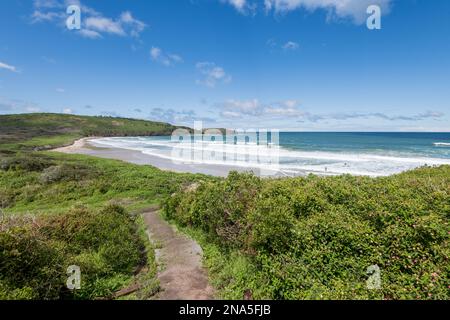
(44, 130)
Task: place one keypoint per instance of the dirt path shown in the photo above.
(181, 274)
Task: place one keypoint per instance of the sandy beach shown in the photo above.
(296, 163)
(86, 146)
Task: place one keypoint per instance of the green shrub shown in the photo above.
(66, 172)
(220, 209)
(315, 237)
(6, 293)
(28, 260)
(35, 254)
(25, 162)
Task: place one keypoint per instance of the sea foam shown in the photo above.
(286, 161)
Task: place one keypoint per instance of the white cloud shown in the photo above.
(177, 117)
(353, 9)
(212, 74)
(236, 108)
(127, 17)
(253, 108)
(47, 3)
(287, 108)
(291, 46)
(244, 7)
(344, 116)
(40, 16)
(175, 58)
(158, 55)
(94, 23)
(231, 114)
(102, 24)
(125, 25)
(238, 4)
(288, 46)
(155, 53)
(137, 26)
(67, 111)
(126, 20)
(90, 34)
(8, 67)
(50, 10)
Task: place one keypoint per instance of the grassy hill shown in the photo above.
(45, 131)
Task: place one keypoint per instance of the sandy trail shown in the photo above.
(182, 276)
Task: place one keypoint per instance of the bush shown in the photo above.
(66, 172)
(27, 260)
(315, 237)
(6, 293)
(220, 209)
(35, 254)
(26, 163)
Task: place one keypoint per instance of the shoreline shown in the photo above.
(88, 146)
(85, 146)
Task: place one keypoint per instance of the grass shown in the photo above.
(59, 210)
(94, 182)
(47, 131)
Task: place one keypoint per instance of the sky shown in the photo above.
(293, 65)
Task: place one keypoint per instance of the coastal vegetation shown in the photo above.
(59, 210)
(46, 131)
(296, 238)
(323, 237)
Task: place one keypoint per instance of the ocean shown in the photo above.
(299, 153)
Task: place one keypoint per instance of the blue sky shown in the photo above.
(287, 64)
